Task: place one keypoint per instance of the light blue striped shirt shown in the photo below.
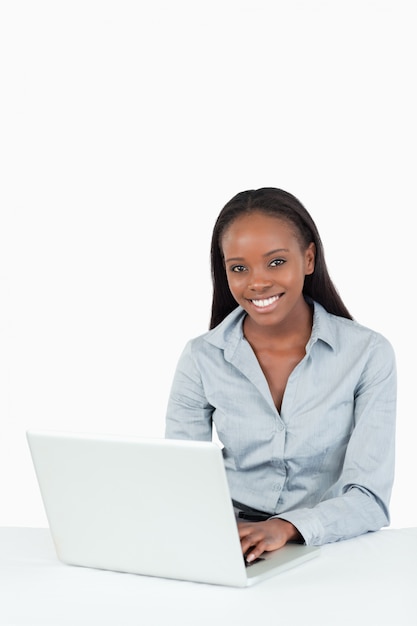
(325, 462)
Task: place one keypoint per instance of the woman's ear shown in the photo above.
(310, 258)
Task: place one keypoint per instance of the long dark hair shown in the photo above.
(284, 205)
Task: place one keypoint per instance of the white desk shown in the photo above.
(368, 581)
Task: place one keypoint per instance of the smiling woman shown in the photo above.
(303, 397)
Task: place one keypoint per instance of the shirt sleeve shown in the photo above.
(359, 501)
(189, 415)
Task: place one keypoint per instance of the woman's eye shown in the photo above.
(277, 262)
(238, 268)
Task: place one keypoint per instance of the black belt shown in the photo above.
(249, 514)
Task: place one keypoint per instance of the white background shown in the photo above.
(125, 127)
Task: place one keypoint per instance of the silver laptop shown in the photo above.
(156, 507)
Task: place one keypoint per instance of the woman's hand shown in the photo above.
(258, 537)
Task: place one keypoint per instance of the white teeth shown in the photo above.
(262, 303)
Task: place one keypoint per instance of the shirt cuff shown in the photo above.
(307, 524)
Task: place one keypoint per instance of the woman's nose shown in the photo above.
(259, 282)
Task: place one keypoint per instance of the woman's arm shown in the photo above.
(188, 414)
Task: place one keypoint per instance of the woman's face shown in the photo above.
(265, 267)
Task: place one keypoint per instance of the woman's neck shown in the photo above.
(291, 331)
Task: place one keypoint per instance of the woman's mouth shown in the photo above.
(265, 302)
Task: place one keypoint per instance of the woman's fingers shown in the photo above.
(258, 537)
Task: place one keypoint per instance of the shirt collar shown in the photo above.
(323, 327)
(228, 334)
